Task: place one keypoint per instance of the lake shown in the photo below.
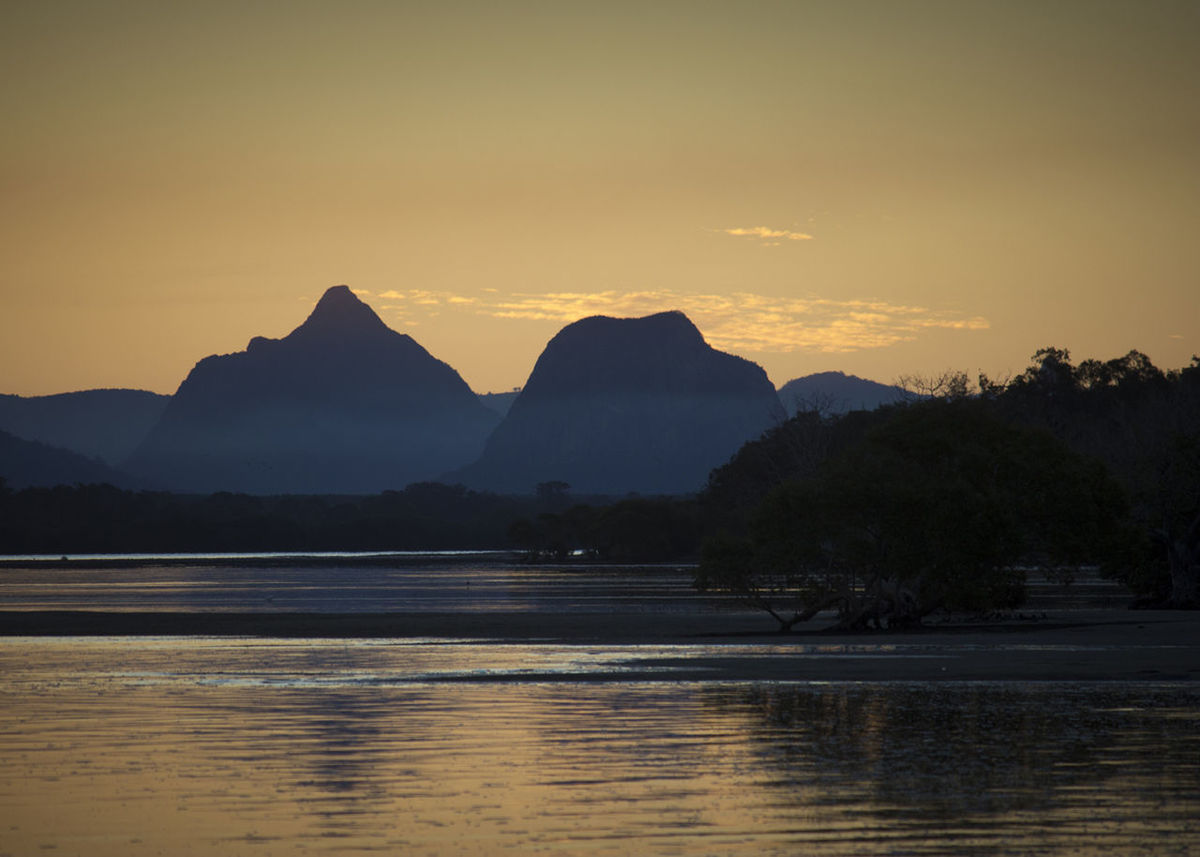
(453, 746)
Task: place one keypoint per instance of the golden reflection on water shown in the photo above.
(205, 747)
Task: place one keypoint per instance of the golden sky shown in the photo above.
(886, 188)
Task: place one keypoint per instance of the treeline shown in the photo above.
(945, 501)
(104, 519)
(551, 525)
(630, 530)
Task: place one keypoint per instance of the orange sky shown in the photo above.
(886, 188)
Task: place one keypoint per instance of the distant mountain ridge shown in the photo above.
(619, 405)
(837, 392)
(499, 402)
(28, 463)
(342, 404)
(106, 424)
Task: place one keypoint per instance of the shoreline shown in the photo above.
(565, 627)
(1062, 645)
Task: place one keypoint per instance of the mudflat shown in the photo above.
(1063, 645)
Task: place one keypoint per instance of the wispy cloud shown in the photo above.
(424, 297)
(740, 322)
(772, 237)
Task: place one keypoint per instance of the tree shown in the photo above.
(793, 450)
(941, 507)
(553, 493)
(1145, 425)
(647, 530)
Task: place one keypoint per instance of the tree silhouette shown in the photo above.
(942, 506)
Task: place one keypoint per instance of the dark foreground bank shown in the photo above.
(1069, 645)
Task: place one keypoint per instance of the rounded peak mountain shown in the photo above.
(672, 324)
(628, 404)
(661, 352)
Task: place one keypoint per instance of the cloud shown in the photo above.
(829, 326)
(740, 322)
(766, 233)
(420, 296)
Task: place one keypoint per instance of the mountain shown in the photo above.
(26, 463)
(837, 393)
(105, 424)
(499, 402)
(342, 404)
(619, 405)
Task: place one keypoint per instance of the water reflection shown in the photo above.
(463, 585)
(224, 747)
(957, 754)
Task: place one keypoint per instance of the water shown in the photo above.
(391, 583)
(111, 559)
(442, 746)
(206, 746)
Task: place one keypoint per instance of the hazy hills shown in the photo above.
(837, 392)
(25, 463)
(499, 402)
(344, 404)
(105, 424)
(620, 405)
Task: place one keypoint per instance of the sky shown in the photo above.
(889, 188)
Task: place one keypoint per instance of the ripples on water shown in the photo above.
(350, 588)
(206, 746)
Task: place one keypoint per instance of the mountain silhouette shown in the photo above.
(29, 463)
(342, 404)
(837, 393)
(499, 402)
(620, 405)
(105, 424)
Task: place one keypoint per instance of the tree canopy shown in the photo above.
(941, 505)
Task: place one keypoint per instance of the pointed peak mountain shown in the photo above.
(339, 313)
(342, 404)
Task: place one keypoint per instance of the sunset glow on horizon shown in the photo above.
(884, 188)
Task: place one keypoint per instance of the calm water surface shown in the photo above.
(238, 746)
(229, 746)
(412, 585)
